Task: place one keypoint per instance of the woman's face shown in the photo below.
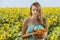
(34, 11)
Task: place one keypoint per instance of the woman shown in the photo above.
(31, 23)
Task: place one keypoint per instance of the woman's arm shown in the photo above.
(24, 27)
(46, 28)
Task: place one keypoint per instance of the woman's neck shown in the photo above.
(34, 18)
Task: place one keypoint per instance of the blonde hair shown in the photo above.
(40, 16)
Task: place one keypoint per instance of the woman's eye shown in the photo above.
(36, 9)
(33, 9)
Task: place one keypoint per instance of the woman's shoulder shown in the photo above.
(27, 19)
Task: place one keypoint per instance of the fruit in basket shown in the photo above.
(39, 31)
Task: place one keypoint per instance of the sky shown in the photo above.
(27, 3)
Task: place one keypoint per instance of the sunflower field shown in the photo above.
(11, 20)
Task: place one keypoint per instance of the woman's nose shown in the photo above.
(35, 12)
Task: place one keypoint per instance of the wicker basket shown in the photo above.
(40, 36)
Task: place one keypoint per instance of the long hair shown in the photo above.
(40, 16)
